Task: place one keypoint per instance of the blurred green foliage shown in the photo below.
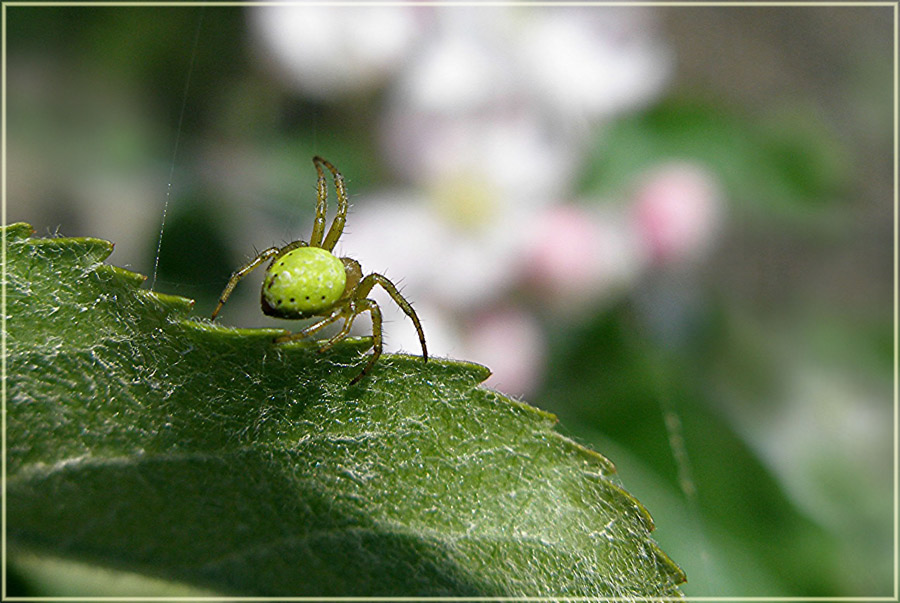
(787, 162)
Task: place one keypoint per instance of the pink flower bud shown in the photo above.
(577, 256)
(677, 210)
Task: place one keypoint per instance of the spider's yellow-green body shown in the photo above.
(305, 280)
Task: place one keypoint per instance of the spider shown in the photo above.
(305, 280)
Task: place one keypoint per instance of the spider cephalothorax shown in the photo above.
(306, 280)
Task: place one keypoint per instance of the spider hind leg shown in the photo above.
(366, 285)
(368, 305)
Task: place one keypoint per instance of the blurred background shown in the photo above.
(671, 226)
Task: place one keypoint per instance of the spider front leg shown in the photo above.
(315, 240)
(240, 273)
(340, 218)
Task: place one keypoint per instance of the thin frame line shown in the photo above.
(896, 314)
(444, 3)
(351, 3)
(3, 366)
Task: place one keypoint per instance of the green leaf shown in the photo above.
(142, 440)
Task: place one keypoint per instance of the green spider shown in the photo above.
(305, 280)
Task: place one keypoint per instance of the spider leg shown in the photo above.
(241, 272)
(291, 247)
(373, 279)
(313, 328)
(368, 305)
(337, 226)
(315, 240)
(351, 315)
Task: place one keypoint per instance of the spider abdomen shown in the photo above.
(303, 282)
